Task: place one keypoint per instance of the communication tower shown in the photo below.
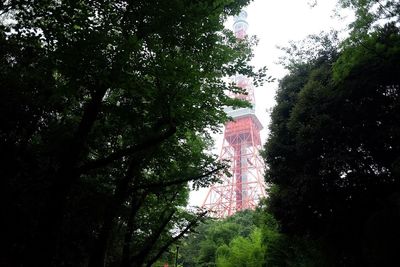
(240, 147)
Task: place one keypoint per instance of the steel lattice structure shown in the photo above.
(241, 146)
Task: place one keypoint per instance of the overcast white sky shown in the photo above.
(275, 23)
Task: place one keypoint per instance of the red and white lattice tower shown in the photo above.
(240, 147)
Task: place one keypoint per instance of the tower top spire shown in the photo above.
(240, 25)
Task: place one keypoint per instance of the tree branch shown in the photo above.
(386, 9)
(149, 142)
(139, 258)
(135, 206)
(153, 186)
(174, 239)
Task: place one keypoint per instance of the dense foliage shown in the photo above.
(106, 113)
(235, 241)
(333, 152)
(106, 110)
(246, 239)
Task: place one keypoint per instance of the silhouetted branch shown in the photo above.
(174, 239)
(152, 186)
(149, 142)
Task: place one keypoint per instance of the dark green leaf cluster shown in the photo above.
(106, 113)
(333, 152)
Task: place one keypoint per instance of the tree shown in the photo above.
(200, 248)
(242, 251)
(371, 13)
(333, 151)
(107, 108)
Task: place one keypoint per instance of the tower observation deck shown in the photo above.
(240, 147)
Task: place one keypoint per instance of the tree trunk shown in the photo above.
(140, 258)
(45, 248)
(97, 258)
(136, 204)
